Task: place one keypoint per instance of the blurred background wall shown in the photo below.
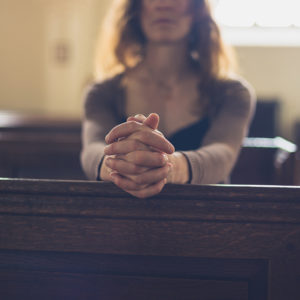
(47, 49)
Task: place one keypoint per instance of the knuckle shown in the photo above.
(132, 125)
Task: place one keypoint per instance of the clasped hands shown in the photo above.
(138, 158)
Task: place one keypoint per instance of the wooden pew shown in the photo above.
(90, 240)
(44, 147)
(266, 161)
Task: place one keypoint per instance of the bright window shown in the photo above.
(261, 22)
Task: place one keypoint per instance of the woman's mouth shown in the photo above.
(163, 21)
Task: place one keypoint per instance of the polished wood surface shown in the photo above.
(90, 240)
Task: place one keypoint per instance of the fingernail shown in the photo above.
(165, 180)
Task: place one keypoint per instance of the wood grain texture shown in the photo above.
(91, 238)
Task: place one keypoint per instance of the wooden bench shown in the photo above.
(42, 147)
(266, 161)
(89, 240)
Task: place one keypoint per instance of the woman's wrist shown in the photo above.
(104, 173)
(180, 168)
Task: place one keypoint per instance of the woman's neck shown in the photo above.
(168, 63)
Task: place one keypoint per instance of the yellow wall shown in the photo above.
(33, 80)
(76, 23)
(21, 55)
(275, 72)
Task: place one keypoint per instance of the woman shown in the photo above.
(170, 60)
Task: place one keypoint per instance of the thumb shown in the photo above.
(152, 121)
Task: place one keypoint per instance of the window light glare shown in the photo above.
(234, 13)
(296, 14)
(264, 13)
(274, 13)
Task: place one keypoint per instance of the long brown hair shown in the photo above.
(122, 41)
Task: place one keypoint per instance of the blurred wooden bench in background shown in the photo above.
(34, 146)
(266, 161)
(89, 240)
(297, 141)
(48, 148)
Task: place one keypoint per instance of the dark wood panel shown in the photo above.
(266, 162)
(169, 277)
(135, 265)
(223, 242)
(146, 237)
(105, 200)
(41, 285)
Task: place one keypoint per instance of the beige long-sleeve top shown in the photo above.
(211, 163)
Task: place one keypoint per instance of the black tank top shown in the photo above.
(191, 137)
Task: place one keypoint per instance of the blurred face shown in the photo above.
(166, 21)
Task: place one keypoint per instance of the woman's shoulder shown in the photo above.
(236, 85)
(236, 93)
(102, 95)
(102, 92)
(105, 87)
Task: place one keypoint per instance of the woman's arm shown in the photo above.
(214, 160)
(212, 163)
(100, 116)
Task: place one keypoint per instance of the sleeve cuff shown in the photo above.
(194, 161)
(98, 178)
